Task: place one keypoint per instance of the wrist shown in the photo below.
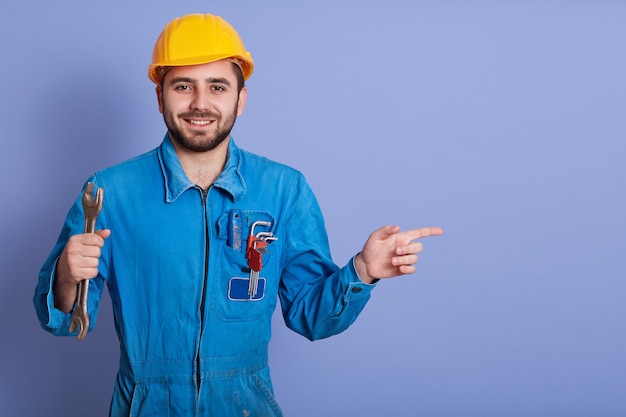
(361, 270)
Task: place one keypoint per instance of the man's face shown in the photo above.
(200, 104)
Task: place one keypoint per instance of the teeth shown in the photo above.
(199, 122)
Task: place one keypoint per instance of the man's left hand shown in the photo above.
(389, 253)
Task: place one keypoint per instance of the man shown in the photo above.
(192, 304)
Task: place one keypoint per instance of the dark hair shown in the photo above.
(241, 82)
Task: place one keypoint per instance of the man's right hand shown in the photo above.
(79, 261)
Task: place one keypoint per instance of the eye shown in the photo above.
(182, 87)
(218, 88)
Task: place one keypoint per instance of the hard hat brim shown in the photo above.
(246, 64)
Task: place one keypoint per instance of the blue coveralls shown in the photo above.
(191, 343)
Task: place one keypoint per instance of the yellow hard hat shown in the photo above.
(198, 39)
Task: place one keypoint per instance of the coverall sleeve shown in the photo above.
(50, 318)
(318, 298)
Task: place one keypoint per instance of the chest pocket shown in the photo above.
(229, 273)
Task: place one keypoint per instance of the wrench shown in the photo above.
(91, 207)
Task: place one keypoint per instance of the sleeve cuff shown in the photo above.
(57, 319)
(356, 288)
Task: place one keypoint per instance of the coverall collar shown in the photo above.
(177, 182)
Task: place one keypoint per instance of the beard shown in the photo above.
(199, 140)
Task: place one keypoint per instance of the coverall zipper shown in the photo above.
(205, 194)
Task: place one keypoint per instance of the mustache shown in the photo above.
(198, 115)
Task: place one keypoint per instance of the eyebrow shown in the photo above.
(210, 80)
(218, 81)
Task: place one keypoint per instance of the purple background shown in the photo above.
(501, 121)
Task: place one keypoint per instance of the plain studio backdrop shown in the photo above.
(501, 121)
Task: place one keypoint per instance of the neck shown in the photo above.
(203, 168)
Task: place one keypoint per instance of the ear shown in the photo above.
(241, 101)
(159, 93)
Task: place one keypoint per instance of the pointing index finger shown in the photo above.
(424, 232)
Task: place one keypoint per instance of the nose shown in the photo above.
(200, 100)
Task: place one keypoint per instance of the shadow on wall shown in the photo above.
(76, 133)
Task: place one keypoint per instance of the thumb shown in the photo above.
(104, 233)
(385, 231)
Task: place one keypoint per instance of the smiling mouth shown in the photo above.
(199, 122)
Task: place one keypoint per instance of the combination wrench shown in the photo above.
(92, 208)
